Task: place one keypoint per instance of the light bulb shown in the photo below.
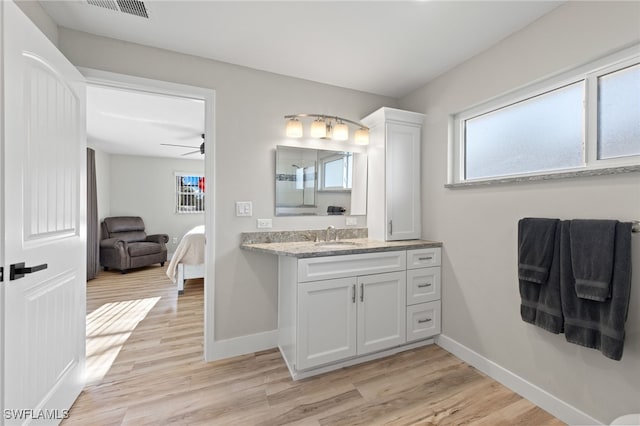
(294, 128)
(318, 128)
(340, 132)
(362, 136)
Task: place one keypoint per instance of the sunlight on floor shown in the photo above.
(108, 328)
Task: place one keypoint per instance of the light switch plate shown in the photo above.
(244, 208)
(264, 223)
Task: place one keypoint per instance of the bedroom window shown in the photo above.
(189, 193)
(586, 119)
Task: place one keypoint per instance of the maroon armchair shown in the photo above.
(125, 245)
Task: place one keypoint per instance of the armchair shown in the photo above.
(125, 245)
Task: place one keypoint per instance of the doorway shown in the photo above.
(190, 138)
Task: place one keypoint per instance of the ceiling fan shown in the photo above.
(199, 149)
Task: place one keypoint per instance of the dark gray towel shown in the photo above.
(598, 325)
(536, 238)
(539, 243)
(592, 257)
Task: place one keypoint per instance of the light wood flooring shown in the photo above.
(145, 367)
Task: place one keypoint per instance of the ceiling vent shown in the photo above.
(132, 7)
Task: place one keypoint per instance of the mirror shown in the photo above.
(320, 182)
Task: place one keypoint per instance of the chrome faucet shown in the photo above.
(328, 233)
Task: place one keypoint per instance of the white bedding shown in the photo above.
(190, 251)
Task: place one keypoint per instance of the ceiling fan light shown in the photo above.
(318, 128)
(361, 136)
(294, 128)
(340, 132)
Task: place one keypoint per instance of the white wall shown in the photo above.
(478, 225)
(145, 187)
(38, 16)
(249, 123)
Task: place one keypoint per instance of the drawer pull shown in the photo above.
(424, 285)
(425, 258)
(424, 320)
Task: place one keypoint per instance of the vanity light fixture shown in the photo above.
(327, 127)
(362, 136)
(294, 128)
(340, 131)
(319, 128)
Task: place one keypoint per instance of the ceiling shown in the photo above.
(383, 47)
(139, 123)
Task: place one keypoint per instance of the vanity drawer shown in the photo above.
(351, 265)
(423, 285)
(423, 258)
(423, 321)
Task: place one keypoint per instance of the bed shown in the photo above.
(188, 260)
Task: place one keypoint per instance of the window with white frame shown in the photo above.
(189, 192)
(581, 120)
(335, 172)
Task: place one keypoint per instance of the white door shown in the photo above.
(44, 224)
(326, 321)
(403, 182)
(381, 311)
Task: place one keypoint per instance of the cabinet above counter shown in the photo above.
(312, 248)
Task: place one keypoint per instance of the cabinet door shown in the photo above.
(326, 321)
(381, 311)
(403, 182)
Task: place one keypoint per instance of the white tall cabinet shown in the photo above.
(393, 194)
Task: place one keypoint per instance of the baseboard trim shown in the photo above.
(560, 409)
(242, 345)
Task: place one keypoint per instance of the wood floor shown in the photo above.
(145, 367)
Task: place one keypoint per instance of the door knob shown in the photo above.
(18, 270)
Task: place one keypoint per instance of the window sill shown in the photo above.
(544, 177)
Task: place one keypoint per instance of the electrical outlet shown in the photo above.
(175, 240)
(264, 223)
(351, 220)
(244, 208)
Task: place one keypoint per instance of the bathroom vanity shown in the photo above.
(349, 301)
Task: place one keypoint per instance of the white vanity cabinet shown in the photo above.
(344, 317)
(393, 193)
(338, 310)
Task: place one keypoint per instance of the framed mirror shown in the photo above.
(320, 182)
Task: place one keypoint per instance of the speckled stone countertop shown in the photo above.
(304, 249)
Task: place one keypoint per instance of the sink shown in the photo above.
(336, 244)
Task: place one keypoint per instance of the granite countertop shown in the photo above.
(303, 249)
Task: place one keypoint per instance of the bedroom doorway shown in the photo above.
(181, 140)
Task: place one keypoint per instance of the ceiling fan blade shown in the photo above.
(192, 152)
(181, 146)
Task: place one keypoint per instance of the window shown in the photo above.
(619, 113)
(336, 172)
(189, 193)
(581, 120)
